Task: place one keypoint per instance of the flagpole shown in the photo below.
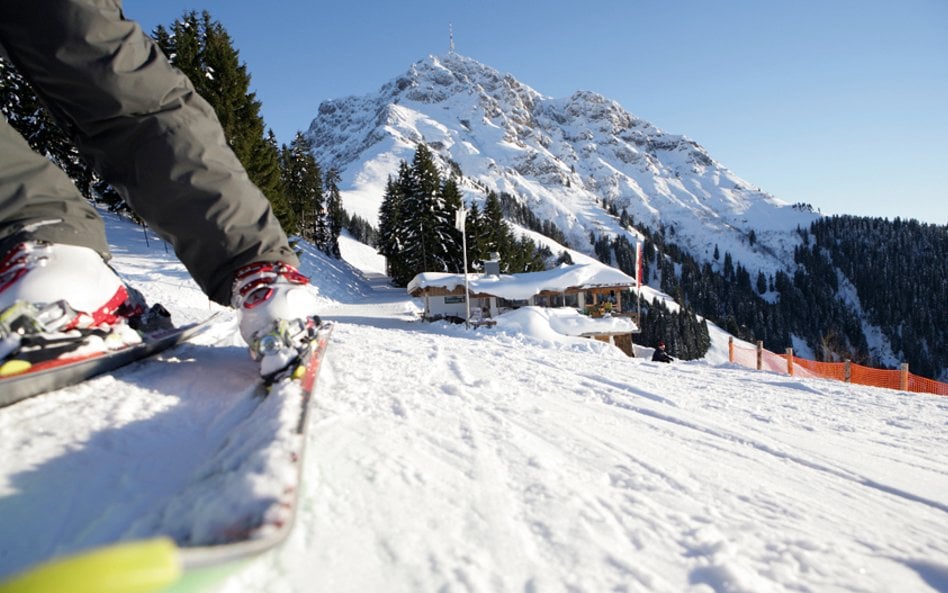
(638, 281)
(460, 218)
(467, 290)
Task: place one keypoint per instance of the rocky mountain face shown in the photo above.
(567, 159)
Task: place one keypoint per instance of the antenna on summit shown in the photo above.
(451, 38)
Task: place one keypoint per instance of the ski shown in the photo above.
(162, 564)
(251, 536)
(69, 370)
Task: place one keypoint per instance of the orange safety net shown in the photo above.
(773, 362)
(924, 385)
(827, 370)
(858, 374)
(798, 370)
(745, 357)
(861, 375)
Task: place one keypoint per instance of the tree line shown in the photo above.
(418, 226)
(726, 293)
(898, 270)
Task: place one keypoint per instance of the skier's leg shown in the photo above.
(39, 202)
(52, 244)
(148, 133)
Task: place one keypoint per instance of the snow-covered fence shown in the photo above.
(763, 360)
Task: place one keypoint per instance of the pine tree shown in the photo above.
(728, 266)
(200, 47)
(477, 250)
(362, 231)
(335, 215)
(427, 222)
(417, 226)
(451, 197)
(391, 238)
(303, 187)
(523, 255)
(266, 174)
(496, 233)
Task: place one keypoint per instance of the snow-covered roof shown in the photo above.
(528, 284)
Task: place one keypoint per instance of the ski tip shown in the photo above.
(14, 367)
(299, 372)
(131, 567)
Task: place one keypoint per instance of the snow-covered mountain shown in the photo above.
(562, 157)
(573, 160)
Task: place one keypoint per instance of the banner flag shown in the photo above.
(638, 264)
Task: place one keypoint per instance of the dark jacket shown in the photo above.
(661, 356)
(146, 131)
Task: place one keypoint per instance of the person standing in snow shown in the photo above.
(660, 354)
(145, 130)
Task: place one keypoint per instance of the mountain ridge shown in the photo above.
(562, 157)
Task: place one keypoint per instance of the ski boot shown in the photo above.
(276, 310)
(61, 300)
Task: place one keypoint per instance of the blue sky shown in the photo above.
(837, 103)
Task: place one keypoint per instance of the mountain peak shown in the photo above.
(565, 159)
(437, 78)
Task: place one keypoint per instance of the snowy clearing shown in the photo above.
(445, 459)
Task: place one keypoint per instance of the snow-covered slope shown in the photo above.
(562, 157)
(488, 461)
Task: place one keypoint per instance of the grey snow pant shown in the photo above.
(145, 130)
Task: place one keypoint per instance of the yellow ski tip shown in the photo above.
(14, 367)
(299, 371)
(131, 567)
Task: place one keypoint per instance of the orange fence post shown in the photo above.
(846, 371)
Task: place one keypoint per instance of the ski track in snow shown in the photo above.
(500, 467)
(441, 459)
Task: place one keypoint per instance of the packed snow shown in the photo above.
(513, 458)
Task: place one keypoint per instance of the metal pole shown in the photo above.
(638, 312)
(467, 290)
